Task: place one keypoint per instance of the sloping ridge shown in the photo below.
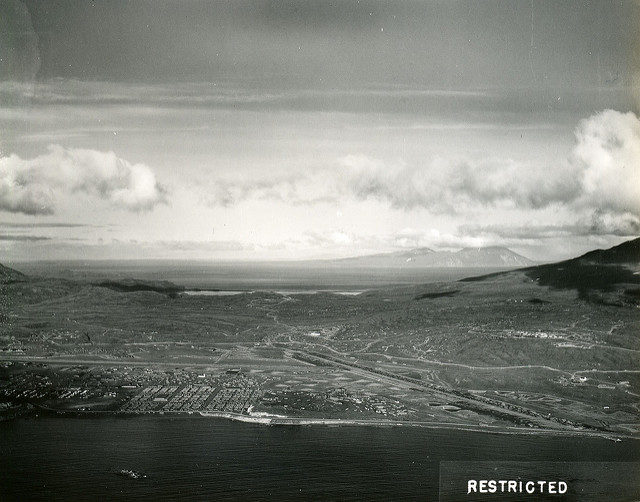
(492, 256)
(627, 252)
(9, 275)
(606, 276)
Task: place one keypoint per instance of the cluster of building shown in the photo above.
(149, 399)
(335, 402)
(40, 393)
(233, 399)
(386, 407)
(235, 394)
(189, 398)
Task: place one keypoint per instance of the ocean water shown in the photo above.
(194, 458)
(248, 276)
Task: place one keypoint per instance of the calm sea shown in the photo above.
(248, 276)
(193, 458)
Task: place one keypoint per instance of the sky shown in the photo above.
(295, 130)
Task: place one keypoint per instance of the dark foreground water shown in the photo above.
(204, 459)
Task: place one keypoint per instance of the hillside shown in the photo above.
(625, 253)
(134, 285)
(606, 276)
(9, 275)
(489, 257)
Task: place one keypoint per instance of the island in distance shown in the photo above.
(547, 348)
(491, 256)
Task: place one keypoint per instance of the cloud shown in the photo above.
(296, 189)
(204, 94)
(32, 186)
(410, 238)
(601, 177)
(598, 224)
(607, 157)
(350, 243)
(453, 108)
(21, 238)
(227, 192)
(12, 224)
(598, 184)
(455, 185)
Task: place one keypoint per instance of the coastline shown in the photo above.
(337, 422)
(275, 420)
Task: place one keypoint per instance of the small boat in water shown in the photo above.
(128, 473)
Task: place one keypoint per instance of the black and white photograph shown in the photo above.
(329, 250)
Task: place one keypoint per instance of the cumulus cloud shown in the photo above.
(455, 185)
(599, 182)
(607, 157)
(32, 186)
(599, 223)
(227, 192)
(296, 189)
(600, 177)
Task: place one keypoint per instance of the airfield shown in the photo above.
(506, 351)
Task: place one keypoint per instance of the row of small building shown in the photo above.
(191, 398)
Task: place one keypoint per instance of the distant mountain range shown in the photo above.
(484, 257)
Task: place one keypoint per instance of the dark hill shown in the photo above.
(627, 252)
(9, 275)
(607, 276)
(133, 285)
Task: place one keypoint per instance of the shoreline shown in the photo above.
(338, 422)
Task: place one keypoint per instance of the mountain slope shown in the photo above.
(627, 252)
(9, 275)
(605, 276)
(424, 257)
